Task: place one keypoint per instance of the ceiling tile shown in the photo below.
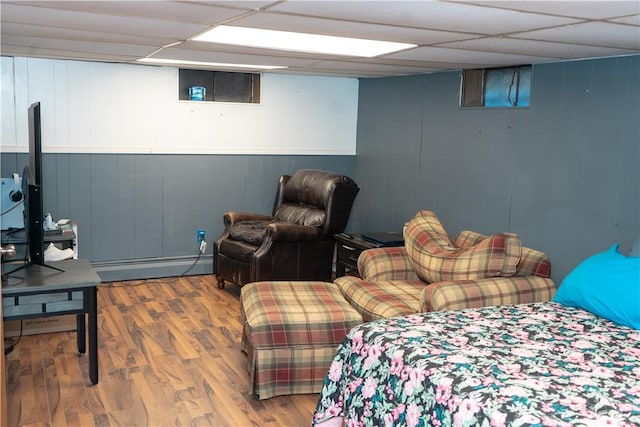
(577, 9)
(371, 69)
(40, 31)
(451, 34)
(592, 33)
(457, 17)
(41, 52)
(347, 28)
(176, 11)
(255, 58)
(240, 4)
(439, 54)
(119, 49)
(535, 48)
(57, 18)
(206, 47)
(629, 20)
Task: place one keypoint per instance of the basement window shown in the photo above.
(508, 87)
(218, 86)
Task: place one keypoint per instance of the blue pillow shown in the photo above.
(606, 284)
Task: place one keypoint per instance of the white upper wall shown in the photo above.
(93, 107)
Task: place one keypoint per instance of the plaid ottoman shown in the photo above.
(291, 331)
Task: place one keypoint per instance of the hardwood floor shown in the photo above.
(169, 355)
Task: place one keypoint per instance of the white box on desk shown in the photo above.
(41, 325)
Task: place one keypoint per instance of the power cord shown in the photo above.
(11, 343)
(201, 250)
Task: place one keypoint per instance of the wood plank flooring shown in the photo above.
(169, 355)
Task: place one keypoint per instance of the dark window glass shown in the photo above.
(219, 86)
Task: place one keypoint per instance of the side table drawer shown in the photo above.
(348, 255)
(348, 249)
(59, 302)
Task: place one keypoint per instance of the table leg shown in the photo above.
(340, 270)
(81, 335)
(93, 334)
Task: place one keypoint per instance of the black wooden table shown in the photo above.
(39, 291)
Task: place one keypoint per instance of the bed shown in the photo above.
(544, 364)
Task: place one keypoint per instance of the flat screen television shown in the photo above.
(32, 193)
(35, 143)
(33, 209)
(33, 217)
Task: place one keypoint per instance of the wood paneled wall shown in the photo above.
(564, 174)
(148, 207)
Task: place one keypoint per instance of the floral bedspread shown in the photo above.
(540, 364)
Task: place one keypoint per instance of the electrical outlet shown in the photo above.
(200, 236)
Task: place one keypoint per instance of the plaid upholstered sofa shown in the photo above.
(472, 270)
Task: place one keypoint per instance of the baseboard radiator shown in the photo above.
(153, 268)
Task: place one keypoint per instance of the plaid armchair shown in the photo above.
(472, 271)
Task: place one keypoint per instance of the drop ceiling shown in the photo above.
(449, 35)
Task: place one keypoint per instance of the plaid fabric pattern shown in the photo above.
(435, 258)
(390, 286)
(468, 238)
(391, 263)
(532, 262)
(288, 313)
(486, 292)
(290, 332)
(290, 370)
(381, 299)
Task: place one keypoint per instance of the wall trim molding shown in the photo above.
(153, 268)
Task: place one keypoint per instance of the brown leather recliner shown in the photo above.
(296, 241)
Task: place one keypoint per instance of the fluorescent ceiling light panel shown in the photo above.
(300, 42)
(209, 64)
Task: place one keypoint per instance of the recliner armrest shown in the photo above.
(389, 263)
(233, 217)
(493, 291)
(286, 232)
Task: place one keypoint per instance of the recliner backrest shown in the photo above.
(315, 198)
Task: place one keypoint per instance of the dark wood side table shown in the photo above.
(349, 248)
(38, 291)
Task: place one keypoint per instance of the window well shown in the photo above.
(218, 86)
(508, 87)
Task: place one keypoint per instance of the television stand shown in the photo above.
(42, 293)
(27, 264)
(64, 240)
